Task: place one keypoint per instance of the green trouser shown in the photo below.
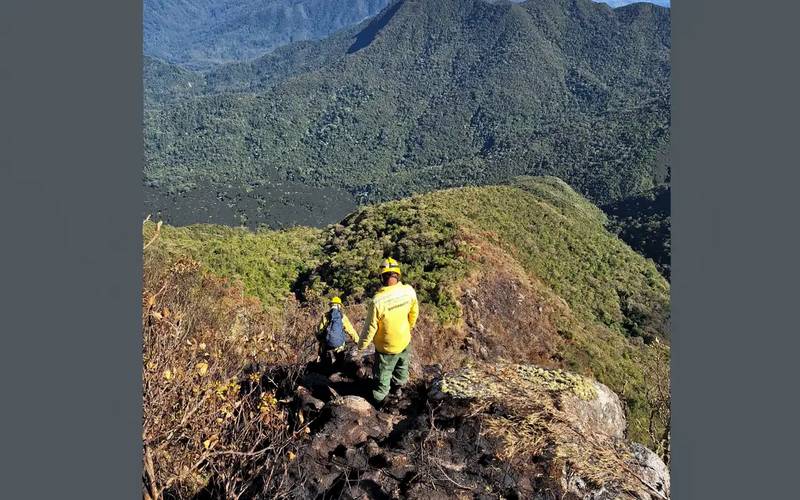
(389, 369)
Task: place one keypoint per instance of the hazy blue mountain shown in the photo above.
(200, 33)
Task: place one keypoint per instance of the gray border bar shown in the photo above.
(70, 199)
(735, 248)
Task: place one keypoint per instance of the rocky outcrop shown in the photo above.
(572, 427)
(651, 474)
(602, 414)
(651, 469)
(353, 420)
(485, 431)
(349, 423)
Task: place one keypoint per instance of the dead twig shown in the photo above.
(155, 236)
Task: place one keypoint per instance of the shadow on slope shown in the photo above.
(368, 34)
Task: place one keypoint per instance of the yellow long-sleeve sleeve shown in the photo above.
(348, 327)
(370, 327)
(413, 312)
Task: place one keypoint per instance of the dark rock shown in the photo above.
(356, 458)
(372, 449)
(315, 381)
(339, 378)
(306, 401)
(374, 485)
(352, 422)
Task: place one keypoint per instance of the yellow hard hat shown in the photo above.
(390, 265)
(336, 300)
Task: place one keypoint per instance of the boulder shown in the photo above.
(574, 486)
(494, 429)
(373, 484)
(353, 420)
(650, 480)
(602, 414)
(306, 401)
(315, 381)
(651, 469)
(592, 407)
(578, 420)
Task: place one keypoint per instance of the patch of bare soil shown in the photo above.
(504, 315)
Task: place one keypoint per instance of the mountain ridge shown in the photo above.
(582, 300)
(467, 93)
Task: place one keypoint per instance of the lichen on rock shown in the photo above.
(496, 381)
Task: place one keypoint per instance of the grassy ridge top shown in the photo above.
(266, 262)
(614, 303)
(556, 235)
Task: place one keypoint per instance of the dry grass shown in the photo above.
(212, 414)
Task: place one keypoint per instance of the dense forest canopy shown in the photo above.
(434, 94)
(200, 34)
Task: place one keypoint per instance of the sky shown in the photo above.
(619, 3)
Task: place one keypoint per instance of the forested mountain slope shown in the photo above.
(644, 222)
(427, 95)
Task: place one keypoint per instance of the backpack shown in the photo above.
(334, 335)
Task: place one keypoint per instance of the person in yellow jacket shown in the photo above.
(392, 315)
(331, 335)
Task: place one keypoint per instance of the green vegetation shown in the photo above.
(164, 81)
(408, 230)
(614, 322)
(410, 106)
(429, 95)
(643, 221)
(266, 262)
(552, 231)
(559, 237)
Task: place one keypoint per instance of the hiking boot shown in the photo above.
(397, 392)
(378, 405)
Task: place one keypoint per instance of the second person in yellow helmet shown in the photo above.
(331, 334)
(391, 317)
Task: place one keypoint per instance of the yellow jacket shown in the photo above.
(392, 315)
(348, 327)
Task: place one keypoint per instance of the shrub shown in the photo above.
(266, 262)
(426, 245)
(213, 418)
